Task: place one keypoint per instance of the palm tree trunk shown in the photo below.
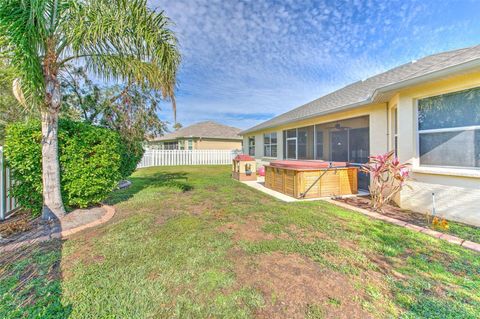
(52, 197)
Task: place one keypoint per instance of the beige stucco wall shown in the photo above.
(204, 144)
(207, 144)
(457, 191)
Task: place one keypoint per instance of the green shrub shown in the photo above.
(131, 153)
(24, 155)
(90, 160)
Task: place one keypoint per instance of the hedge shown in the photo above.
(92, 161)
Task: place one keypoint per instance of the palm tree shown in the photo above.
(114, 39)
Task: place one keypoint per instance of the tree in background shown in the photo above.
(177, 126)
(114, 39)
(131, 110)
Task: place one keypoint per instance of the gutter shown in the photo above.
(384, 89)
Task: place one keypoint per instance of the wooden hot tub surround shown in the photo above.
(311, 179)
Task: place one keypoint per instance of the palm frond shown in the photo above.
(24, 28)
(116, 39)
(125, 40)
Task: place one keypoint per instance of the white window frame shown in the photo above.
(270, 144)
(394, 129)
(441, 169)
(249, 146)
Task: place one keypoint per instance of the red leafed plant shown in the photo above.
(388, 177)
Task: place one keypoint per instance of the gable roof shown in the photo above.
(207, 129)
(378, 88)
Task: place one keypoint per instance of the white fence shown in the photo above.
(154, 157)
(7, 203)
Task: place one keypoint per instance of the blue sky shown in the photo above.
(247, 61)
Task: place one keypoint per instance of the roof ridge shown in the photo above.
(459, 52)
(205, 129)
(361, 92)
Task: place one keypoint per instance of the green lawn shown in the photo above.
(189, 242)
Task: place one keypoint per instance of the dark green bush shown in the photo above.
(24, 155)
(131, 153)
(90, 160)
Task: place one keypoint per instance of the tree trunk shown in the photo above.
(52, 197)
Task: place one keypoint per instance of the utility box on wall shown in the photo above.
(244, 168)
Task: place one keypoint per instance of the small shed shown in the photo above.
(244, 168)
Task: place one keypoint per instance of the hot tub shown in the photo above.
(311, 179)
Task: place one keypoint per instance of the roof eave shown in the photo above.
(385, 89)
(197, 137)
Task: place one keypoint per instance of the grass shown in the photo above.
(165, 255)
(463, 231)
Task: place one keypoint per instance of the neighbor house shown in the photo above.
(427, 111)
(206, 135)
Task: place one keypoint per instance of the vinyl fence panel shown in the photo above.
(156, 157)
(7, 203)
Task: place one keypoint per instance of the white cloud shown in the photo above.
(270, 56)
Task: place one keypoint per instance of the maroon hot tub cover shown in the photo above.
(307, 164)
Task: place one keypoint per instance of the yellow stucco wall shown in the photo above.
(457, 190)
(207, 144)
(217, 145)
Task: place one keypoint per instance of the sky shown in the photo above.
(244, 62)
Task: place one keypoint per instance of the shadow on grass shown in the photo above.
(178, 180)
(30, 282)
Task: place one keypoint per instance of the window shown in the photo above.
(395, 130)
(251, 146)
(190, 145)
(449, 129)
(270, 144)
(299, 143)
(170, 145)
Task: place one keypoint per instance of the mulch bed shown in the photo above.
(22, 226)
(390, 211)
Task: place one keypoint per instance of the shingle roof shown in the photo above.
(374, 88)
(207, 129)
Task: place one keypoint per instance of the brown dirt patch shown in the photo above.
(291, 284)
(305, 235)
(153, 275)
(201, 208)
(250, 230)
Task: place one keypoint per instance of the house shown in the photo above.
(427, 111)
(206, 135)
